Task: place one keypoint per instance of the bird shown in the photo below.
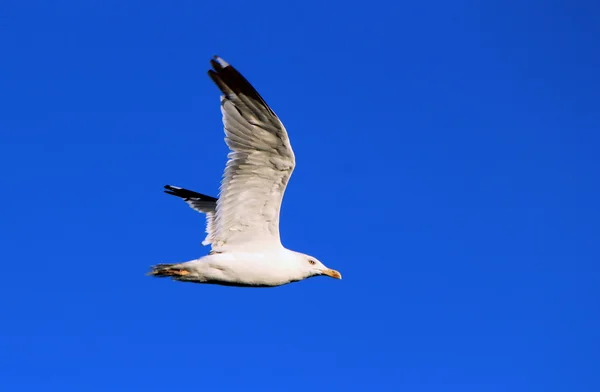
(242, 224)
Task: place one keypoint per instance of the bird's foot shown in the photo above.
(168, 270)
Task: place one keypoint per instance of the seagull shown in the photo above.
(242, 225)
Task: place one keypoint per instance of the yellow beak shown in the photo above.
(332, 273)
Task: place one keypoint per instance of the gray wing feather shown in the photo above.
(202, 203)
(260, 164)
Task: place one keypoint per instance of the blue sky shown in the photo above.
(447, 165)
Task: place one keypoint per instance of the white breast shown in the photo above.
(251, 268)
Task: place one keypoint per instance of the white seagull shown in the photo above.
(242, 225)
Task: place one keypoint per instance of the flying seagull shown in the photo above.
(242, 225)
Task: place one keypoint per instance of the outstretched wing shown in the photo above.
(260, 164)
(199, 202)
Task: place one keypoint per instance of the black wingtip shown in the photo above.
(218, 63)
(231, 81)
(186, 194)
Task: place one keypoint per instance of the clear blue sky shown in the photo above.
(448, 166)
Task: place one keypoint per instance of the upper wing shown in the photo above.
(199, 202)
(260, 164)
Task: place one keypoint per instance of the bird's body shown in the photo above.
(242, 225)
(238, 268)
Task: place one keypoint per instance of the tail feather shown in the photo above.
(167, 270)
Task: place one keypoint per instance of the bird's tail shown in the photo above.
(175, 271)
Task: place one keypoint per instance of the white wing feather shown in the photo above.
(202, 203)
(260, 164)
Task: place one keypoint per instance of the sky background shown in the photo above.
(447, 165)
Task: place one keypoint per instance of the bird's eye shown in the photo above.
(312, 261)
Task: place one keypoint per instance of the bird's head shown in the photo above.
(313, 267)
